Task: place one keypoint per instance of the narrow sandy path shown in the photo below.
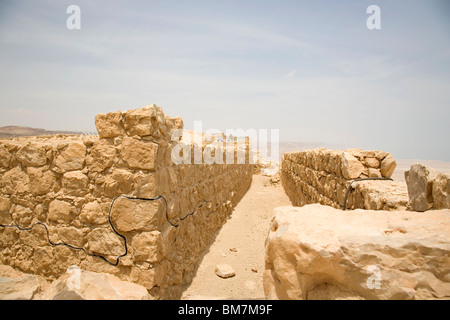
(245, 231)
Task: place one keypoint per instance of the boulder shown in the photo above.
(79, 284)
(351, 167)
(419, 180)
(441, 191)
(319, 252)
(388, 165)
(224, 271)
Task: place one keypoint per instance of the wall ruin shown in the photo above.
(68, 183)
(323, 176)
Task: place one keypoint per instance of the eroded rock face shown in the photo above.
(419, 180)
(75, 284)
(441, 191)
(318, 252)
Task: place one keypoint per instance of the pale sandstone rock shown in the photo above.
(72, 158)
(75, 183)
(93, 213)
(15, 181)
(5, 157)
(60, 211)
(224, 271)
(22, 215)
(109, 125)
(419, 180)
(139, 121)
(32, 155)
(441, 191)
(139, 154)
(102, 156)
(42, 180)
(105, 242)
(119, 182)
(316, 252)
(26, 287)
(351, 167)
(388, 165)
(147, 246)
(136, 215)
(374, 173)
(87, 285)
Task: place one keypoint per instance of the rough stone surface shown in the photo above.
(318, 252)
(388, 165)
(441, 191)
(88, 285)
(351, 167)
(419, 180)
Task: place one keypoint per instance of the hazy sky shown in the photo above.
(309, 68)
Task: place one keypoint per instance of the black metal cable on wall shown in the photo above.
(116, 262)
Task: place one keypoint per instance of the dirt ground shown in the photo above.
(240, 244)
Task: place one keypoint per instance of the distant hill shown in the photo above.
(17, 131)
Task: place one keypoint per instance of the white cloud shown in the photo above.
(291, 74)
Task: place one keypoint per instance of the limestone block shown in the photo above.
(5, 157)
(93, 213)
(144, 185)
(109, 125)
(138, 154)
(101, 156)
(147, 246)
(388, 165)
(138, 122)
(15, 181)
(372, 162)
(441, 191)
(105, 242)
(75, 183)
(60, 211)
(119, 182)
(42, 180)
(136, 215)
(25, 287)
(72, 158)
(351, 167)
(79, 284)
(419, 180)
(317, 252)
(22, 215)
(32, 155)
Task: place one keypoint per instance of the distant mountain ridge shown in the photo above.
(19, 131)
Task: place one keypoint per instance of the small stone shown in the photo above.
(254, 270)
(225, 271)
(233, 249)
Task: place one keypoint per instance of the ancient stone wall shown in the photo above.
(323, 176)
(69, 183)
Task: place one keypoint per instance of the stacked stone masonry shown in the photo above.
(69, 183)
(323, 176)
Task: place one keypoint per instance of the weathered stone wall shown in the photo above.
(323, 176)
(69, 182)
